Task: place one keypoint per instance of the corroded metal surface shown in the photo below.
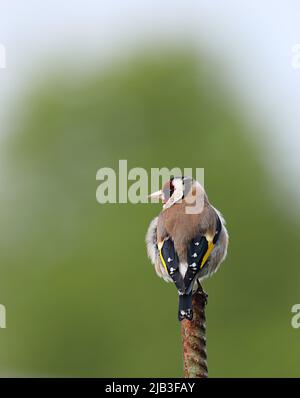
(194, 340)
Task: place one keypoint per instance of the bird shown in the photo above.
(187, 241)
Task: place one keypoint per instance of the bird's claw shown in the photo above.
(202, 293)
(204, 296)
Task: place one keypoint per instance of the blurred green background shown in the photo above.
(82, 298)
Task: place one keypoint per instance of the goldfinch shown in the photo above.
(188, 241)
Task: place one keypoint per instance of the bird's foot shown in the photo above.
(202, 293)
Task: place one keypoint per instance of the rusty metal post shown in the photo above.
(194, 340)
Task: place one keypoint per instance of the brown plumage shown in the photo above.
(182, 227)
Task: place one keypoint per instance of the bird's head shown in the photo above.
(178, 189)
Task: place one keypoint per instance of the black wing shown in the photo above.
(170, 261)
(198, 253)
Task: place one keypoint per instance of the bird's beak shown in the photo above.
(156, 195)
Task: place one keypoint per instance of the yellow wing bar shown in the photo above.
(207, 254)
(163, 261)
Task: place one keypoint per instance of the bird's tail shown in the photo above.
(185, 309)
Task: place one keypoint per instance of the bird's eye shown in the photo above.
(168, 190)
